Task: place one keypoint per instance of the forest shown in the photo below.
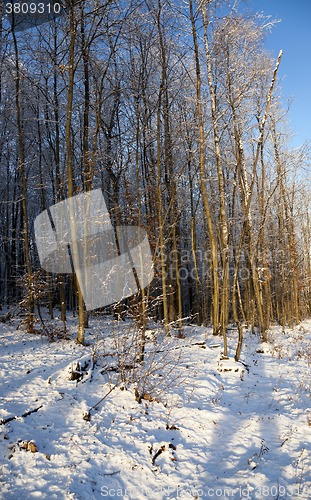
(166, 122)
(175, 112)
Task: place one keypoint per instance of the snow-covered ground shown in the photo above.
(208, 428)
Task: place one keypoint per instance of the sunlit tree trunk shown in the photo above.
(212, 239)
(70, 174)
(222, 205)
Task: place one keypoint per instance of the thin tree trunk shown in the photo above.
(75, 254)
(59, 197)
(30, 328)
(161, 238)
(222, 208)
(160, 207)
(212, 239)
(194, 248)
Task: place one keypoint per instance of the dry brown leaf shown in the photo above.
(87, 416)
(32, 447)
(147, 397)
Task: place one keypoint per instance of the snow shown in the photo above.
(208, 428)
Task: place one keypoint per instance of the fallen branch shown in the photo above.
(5, 421)
(158, 453)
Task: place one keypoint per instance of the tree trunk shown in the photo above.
(212, 239)
(70, 175)
(30, 328)
(222, 208)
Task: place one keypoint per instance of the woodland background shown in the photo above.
(174, 110)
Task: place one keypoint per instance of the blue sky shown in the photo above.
(293, 36)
